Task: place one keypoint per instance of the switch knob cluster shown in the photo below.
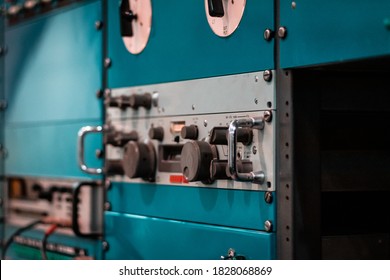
(118, 138)
(133, 101)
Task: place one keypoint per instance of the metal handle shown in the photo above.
(255, 177)
(80, 147)
(75, 209)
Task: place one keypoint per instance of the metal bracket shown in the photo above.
(255, 177)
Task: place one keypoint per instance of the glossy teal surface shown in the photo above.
(49, 150)
(93, 247)
(54, 66)
(182, 46)
(244, 209)
(334, 31)
(143, 238)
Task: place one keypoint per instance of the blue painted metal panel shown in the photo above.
(93, 247)
(182, 46)
(49, 150)
(54, 66)
(140, 237)
(334, 31)
(244, 209)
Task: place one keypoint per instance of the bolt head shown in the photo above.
(99, 93)
(268, 197)
(99, 153)
(268, 116)
(107, 62)
(107, 206)
(98, 24)
(282, 32)
(105, 246)
(268, 226)
(268, 34)
(267, 75)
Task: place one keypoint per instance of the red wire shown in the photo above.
(51, 229)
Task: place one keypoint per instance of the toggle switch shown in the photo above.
(216, 8)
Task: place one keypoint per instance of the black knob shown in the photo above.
(219, 135)
(126, 19)
(218, 170)
(139, 160)
(216, 8)
(114, 167)
(141, 100)
(189, 132)
(121, 102)
(156, 133)
(196, 157)
(119, 139)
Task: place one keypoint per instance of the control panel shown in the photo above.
(213, 132)
(75, 207)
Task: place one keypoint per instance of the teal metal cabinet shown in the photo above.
(53, 70)
(141, 237)
(333, 31)
(182, 45)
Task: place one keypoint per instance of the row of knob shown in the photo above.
(199, 160)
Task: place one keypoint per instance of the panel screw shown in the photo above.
(105, 246)
(282, 32)
(98, 24)
(107, 92)
(99, 153)
(3, 50)
(293, 5)
(256, 101)
(99, 93)
(268, 34)
(267, 225)
(267, 75)
(108, 184)
(107, 206)
(268, 197)
(107, 62)
(3, 105)
(268, 116)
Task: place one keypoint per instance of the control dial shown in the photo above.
(156, 133)
(135, 24)
(189, 132)
(196, 157)
(224, 16)
(139, 160)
